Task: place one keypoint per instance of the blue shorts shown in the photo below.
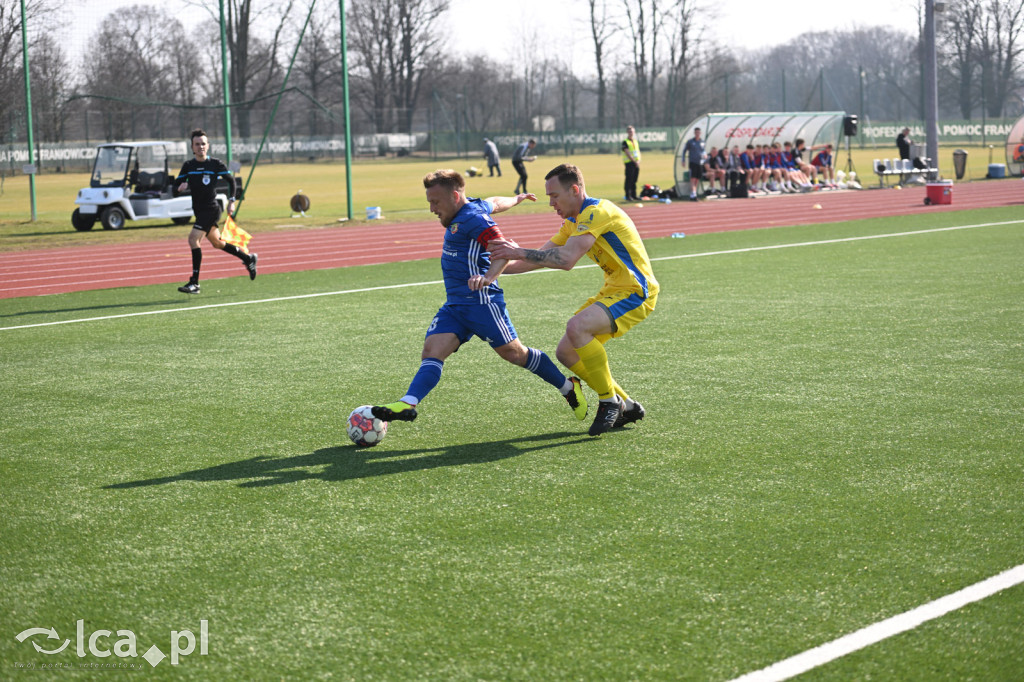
(490, 322)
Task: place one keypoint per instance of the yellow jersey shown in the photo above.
(618, 251)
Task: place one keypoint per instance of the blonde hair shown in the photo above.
(445, 177)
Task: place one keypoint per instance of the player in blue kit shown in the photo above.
(475, 304)
(748, 165)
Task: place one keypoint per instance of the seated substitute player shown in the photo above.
(773, 164)
(753, 171)
(200, 175)
(735, 169)
(805, 166)
(603, 231)
(798, 180)
(714, 171)
(761, 162)
(475, 304)
(822, 161)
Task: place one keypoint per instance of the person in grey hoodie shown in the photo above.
(491, 154)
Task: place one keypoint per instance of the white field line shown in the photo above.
(842, 239)
(224, 305)
(812, 658)
(417, 284)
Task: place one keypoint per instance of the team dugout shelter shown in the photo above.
(1015, 148)
(740, 129)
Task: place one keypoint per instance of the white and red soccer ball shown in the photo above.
(364, 429)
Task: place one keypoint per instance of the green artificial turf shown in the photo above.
(833, 437)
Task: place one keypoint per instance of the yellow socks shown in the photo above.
(595, 363)
(581, 371)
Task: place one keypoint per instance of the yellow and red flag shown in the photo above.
(233, 234)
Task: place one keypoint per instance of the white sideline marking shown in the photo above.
(812, 658)
(224, 305)
(840, 240)
(419, 284)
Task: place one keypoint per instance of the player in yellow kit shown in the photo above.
(602, 231)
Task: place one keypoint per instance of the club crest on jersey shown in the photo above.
(453, 228)
(206, 179)
(583, 227)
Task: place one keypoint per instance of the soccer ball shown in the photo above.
(364, 429)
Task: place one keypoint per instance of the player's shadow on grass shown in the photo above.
(347, 462)
(141, 304)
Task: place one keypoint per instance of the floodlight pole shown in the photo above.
(931, 85)
(860, 73)
(348, 120)
(225, 82)
(28, 112)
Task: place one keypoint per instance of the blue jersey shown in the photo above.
(464, 254)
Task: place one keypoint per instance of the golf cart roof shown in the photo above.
(143, 143)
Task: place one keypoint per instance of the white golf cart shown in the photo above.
(133, 181)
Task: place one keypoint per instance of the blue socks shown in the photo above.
(429, 374)
(540, 364)
(425, 380)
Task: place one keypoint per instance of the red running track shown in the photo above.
(51, 271)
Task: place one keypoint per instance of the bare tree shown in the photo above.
(686, 37)
(395, 43)
(1001, 45)
(318, 63)
(417, 40)
(40, 15)
(643, 23)
(532, 80)
(891, 80)
(959, 41)
(600, 32)
(369, 75)
(486, 90)
(255, 69)
(132, 63)
(52, 83)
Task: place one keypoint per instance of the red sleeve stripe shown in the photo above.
(491, 234)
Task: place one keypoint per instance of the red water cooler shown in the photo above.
(939, 192)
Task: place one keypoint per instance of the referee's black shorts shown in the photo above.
(207, 218)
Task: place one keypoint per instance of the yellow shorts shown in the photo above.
(625, 309)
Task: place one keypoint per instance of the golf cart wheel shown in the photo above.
(81, 222)
(112, 218)
(927, 201)
(183, 220)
